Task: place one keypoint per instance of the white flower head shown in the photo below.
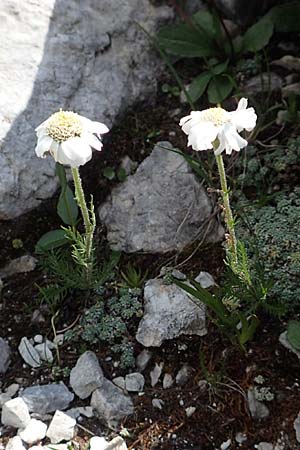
(69, 138)
(204, 127)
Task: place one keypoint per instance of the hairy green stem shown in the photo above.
(88, 224)
(231, 241)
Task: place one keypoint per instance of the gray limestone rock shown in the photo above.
(162, 207)
(285, 342)
(183, 375)
(47, 398)
(86, 376)
(29, 353)
(15, 443)
(24, 264)
(93, 59)
(143, 359)
(168, 381)
(263, 83)
(100, 443)
(156, 373)
(297, 427)
(110, 404)
(4, 356)
(168, 313)
(257, 409)
(34, 432)
(15, 413)
(61, 428)
(134, 382)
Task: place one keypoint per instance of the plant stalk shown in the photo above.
(88, 224)
(231, 241)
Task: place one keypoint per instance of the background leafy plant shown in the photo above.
(202, 37)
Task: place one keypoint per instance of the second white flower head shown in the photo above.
(204, 127)
(69, 138)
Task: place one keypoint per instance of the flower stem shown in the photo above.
(88, 224)
(231, 241)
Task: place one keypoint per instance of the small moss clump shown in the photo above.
(107, 321)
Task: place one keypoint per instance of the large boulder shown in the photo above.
(88, 56)
(169, 313)
(162, 207)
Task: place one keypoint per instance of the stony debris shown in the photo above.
(15, 443)
(86, 411)
(263, 83)
(205, 280)
(293, 88)
(61, 428)
(168, 313)
(158, 403)
(168, 381)
(285, 342)
(128, 165)
(5, 353)
(25, 263)
(29, 354)
(156, 373)
(110, 404)
(15, 413)
(160, 208)
(264, 446)
(183, 375)
(190, 411)
(86, 376)
(44, 352)
(143, 359)
(257, 409)
(134, 382)
(289, 62)
(47, 398)
(34, 432)
(99, 443)
(225, 445)
(120, 382)
(297, 427)
(240, 437)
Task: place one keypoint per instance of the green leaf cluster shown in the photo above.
(236, 305)
(202, 37)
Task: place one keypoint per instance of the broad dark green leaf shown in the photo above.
(208, 23)
(219, 88)
(199, 85)
(219, 68)
(52, 239)
(67, 208)
(184, 40)
(286, 18)
(258, 36)
(293, 333)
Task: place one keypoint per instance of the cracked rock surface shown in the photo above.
(161, 208)
(93, 59)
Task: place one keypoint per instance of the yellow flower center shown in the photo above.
(218, 116)
(64, 125)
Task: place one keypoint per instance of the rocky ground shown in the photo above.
(174, 381)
